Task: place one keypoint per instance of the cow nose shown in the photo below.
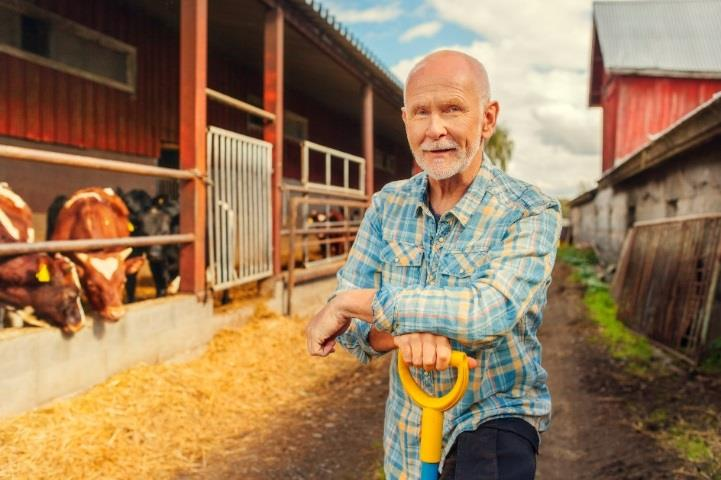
(73, 326)
(113, 313)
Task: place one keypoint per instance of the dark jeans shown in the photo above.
(501, 449)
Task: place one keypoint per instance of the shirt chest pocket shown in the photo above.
(458, 268)
(402, 262)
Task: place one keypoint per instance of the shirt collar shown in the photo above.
(468, 204)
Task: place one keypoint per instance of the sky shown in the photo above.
(537, 54)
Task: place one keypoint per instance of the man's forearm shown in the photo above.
(357, 303)
(380, 341)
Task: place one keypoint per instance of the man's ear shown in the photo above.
(404, 115)
(490, 117)
(134, 264)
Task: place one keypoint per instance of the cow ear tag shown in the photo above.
(131, 228)
(43, 274)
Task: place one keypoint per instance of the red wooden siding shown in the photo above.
(636, 108)
(43, 104)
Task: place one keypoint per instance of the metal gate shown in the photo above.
(239, 209)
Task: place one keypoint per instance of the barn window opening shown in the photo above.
(35, 35)
(630, 216)
(671, 207)
(45, 38)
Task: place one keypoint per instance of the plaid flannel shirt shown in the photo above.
(478, 276)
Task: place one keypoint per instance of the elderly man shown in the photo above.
(457, 257)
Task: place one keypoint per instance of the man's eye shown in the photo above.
(421, 111)
(453, 109)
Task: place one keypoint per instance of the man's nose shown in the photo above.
(436, 128)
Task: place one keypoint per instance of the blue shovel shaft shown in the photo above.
(429, 471)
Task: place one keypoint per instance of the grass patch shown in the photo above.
(712, 361)
(690, 446)
(624, 345)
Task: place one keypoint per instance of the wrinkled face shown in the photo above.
(103, 275)
(447, 115)
(443, 121)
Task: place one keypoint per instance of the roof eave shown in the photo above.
(597, 71)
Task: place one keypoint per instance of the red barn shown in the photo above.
(235, 107)
(651, 64)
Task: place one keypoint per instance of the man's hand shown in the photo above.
(427, 351)
(323, 329)
(335, 317)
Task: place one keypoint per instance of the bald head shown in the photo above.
(451, 63)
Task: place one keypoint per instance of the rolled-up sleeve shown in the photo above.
(490, 307)
(362, 270)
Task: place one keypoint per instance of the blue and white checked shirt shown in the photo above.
(478, 276)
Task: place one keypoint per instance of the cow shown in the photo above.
(47, 285)
(93, 213)
(156, 216)
(333, 219)
(16, 218)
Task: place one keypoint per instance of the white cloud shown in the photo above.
(427, 29)
(537, 57)
(379, 14)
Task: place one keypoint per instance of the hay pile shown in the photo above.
(155, 421)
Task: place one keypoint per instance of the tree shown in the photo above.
(500, 148)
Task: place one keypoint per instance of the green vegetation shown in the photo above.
(624, 345)
(693, 433)
(690, 444)
(712, 361)
(500, 147)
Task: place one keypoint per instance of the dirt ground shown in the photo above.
(595, 434)
(255, 406)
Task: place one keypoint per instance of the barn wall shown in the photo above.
(687, 184)
(636, 108)
(46, 107)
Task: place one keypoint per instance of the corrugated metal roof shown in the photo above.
(681, 36)
(364, 51)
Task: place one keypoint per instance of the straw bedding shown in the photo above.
(155, 421)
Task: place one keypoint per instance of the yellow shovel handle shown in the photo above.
(433, 407)
(459, 361)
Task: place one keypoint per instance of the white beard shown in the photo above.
(443, 172)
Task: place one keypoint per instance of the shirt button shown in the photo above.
(441, 240)
(398, 259)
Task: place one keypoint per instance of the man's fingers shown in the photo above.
(472, 362)
(416, 349)
(406, 351)
(443, 354)
(429, 352)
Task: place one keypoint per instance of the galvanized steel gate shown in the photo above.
(239, 209)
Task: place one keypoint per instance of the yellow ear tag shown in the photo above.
(43, 274)
(131, 228)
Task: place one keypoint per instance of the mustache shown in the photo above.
(444, 144)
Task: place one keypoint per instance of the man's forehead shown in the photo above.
(448, 70)
(425, 88)
(445, 94)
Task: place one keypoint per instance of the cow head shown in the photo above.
(156, 221)
(62, 293)
(104, 276)
(49, 285)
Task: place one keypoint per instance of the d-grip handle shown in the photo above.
(433, 407)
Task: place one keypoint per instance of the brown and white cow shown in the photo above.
(93, 213)
(49, 285)
(16, 218)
